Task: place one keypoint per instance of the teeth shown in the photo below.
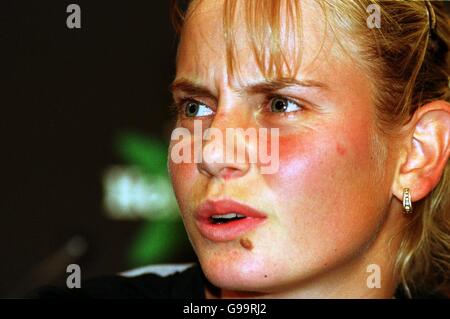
(228, 216)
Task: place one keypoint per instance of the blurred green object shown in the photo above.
(132, 194)
(147, 153)
(159, 239)
(156, 242)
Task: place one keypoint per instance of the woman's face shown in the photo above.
(322, 208)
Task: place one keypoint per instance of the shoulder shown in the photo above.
(158, 281)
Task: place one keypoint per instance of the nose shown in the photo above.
(225, 154)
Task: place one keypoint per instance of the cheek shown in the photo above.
(340, 149)
(320, 178)
(322, 208)
(316, 162)
(182, 172)
(183, 177)
(304, 163)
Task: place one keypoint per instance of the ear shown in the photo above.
(426, 150)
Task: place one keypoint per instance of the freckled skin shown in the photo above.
(323, 205)
(246, 243)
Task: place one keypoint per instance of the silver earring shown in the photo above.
(407, 204)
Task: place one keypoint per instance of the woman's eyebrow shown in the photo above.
(190, 88)
(274, 85)
(266, 86)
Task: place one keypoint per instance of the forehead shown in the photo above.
(301, 42)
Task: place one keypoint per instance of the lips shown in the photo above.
(226, 220)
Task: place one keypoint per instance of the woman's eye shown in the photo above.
(283, 105)
(193, 108)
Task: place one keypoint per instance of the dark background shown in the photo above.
(66, 93)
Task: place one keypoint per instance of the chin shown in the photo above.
(238, 273)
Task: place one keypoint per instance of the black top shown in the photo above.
(188, 284)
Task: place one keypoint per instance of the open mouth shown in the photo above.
(226, 218)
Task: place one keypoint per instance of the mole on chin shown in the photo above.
(246, 243)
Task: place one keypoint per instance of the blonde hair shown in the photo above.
(409, 55)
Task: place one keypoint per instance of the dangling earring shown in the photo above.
(407, 204)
